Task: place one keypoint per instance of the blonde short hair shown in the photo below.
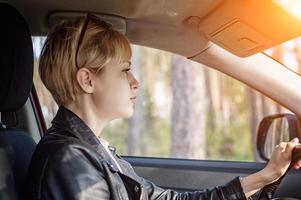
(58, 64)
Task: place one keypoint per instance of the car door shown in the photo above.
(190, 175)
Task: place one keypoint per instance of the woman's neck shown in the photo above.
(89, 115)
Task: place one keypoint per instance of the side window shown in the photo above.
(48, 105)
(183, 110)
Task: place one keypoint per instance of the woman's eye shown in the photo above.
(127, 70)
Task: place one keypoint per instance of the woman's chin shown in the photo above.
(127, 113)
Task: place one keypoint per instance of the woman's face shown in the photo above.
(115, 90)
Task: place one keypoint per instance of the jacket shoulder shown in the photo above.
(67, 150)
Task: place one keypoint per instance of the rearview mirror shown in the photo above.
(274, 129)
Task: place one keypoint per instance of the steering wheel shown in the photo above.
(286, 185)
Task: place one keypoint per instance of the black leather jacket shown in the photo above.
(70, 163)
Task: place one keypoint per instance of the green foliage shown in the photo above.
(116, 133)
(159, 139)
(229, 143)
(231, 139)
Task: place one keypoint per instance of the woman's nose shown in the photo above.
(133, 82)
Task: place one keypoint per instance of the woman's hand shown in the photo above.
(276, 167)
(280, 161)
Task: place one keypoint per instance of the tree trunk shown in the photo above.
(188, 109)
(136, 123)
(211, 110)
(254, 112)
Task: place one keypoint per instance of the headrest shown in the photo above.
(16, 59)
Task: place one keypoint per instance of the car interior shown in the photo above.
(227, 35)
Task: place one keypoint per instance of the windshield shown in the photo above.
(288, 54)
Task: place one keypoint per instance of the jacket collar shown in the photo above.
(74, 126)
(67, 120)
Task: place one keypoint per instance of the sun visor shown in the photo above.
(247, 27)
(117, 23)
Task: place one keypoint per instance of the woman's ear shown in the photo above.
(85, 80)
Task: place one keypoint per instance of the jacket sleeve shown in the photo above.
(72, 176)
(230, 191)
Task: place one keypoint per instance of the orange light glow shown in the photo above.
(292, 6)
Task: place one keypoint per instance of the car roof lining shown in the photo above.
(36, 11)
(161, 16)
(169, 16)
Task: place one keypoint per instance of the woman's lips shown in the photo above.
(133, 99)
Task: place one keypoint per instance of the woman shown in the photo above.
(85, 64)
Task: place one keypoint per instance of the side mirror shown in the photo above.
(274, 129)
